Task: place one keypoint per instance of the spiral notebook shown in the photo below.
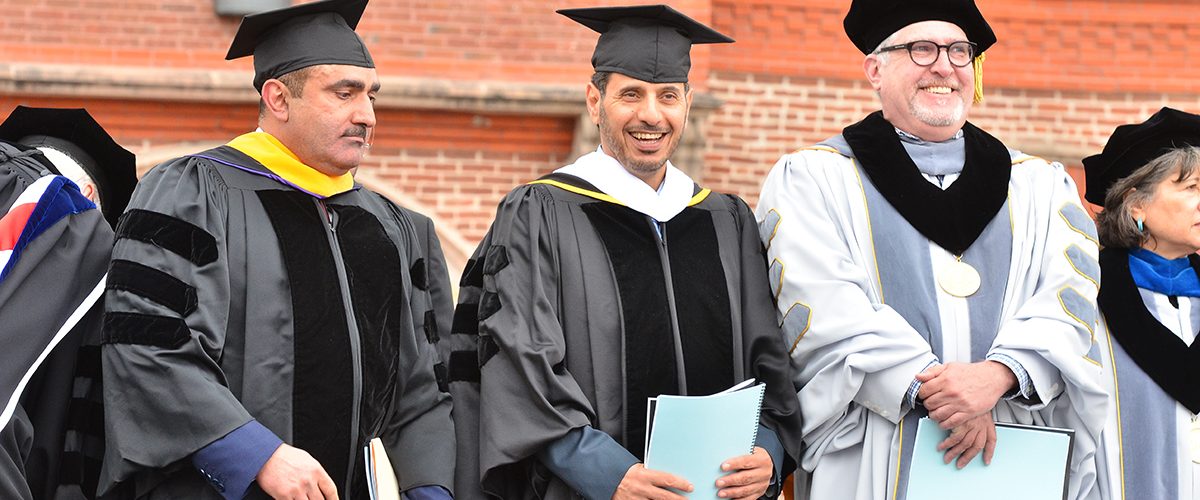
(690, 436)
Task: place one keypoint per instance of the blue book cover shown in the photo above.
(690, 436)
(1030, 463)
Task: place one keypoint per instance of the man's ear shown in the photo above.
(275, 97)
(593, 103)
(873, 67)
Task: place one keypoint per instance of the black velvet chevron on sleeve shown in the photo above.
(442, 376)
(472, 274)
(177, 236)
(464, 366)
(489, 304)
(152, 284)
(496, 260)
(145, 329)
(487, 349)
(419, 274)
(431, 328)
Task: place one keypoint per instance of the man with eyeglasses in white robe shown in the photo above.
(922, 268)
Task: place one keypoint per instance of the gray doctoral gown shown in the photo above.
(236, 296)
(574, 310)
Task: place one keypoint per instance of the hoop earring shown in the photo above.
(1140, 225)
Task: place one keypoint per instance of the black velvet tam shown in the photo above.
(1133, 146)
(285, 40)
(76, 134)
(651, 43)
(870, 22)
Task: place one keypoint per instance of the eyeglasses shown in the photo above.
(925, 52)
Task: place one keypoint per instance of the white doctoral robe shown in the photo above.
(852, 277)
(1145, 450)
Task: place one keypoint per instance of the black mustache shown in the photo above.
(358, 131)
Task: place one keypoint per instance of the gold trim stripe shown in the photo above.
(578, 190)
(1117, 401)
(699, 197)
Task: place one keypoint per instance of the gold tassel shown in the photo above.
(977, 65)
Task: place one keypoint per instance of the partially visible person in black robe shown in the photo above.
(612, 280)
(52, 438)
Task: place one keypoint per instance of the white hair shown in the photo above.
(887, 42)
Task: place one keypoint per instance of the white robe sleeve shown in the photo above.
(1053, 286)
(847, 348)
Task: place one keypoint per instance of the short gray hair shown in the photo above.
(1115, 224)
(887, 42)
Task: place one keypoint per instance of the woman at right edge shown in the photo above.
(1148, 180)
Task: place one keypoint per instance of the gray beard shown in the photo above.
(935, 119)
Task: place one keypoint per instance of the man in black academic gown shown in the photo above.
(611, 280)
(260, 317)
(50, 284)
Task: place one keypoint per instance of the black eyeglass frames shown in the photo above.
(925, 52)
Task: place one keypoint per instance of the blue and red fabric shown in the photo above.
(43, 204)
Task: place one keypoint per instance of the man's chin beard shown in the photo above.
(643, 167)
(934, 118)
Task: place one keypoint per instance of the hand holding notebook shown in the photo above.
(690, 436)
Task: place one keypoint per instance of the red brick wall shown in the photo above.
(507, 40)
(765, 116)
(459, 164)
(1099, 45)
(1063, 74)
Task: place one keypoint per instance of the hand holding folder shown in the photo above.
(690, 436)
(1031, 463)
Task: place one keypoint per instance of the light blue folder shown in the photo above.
(1030, 463)
(690, 436)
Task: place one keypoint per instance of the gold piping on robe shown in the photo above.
(271, 153)
(697, 198)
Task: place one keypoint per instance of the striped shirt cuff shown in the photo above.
(910, 397)
(1025, 387)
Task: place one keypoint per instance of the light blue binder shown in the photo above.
(690, 436)
(1030, 463)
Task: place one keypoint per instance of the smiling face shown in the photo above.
(640, 123)
(329, 124)
(930, 102)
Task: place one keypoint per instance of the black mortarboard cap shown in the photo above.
(870, 22)
(651, 43)
(1133, 146)
(75, 133)
(285, 40)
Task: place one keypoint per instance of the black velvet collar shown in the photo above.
(953, 218)
(1170, 363)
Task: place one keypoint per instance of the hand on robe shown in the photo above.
(749, 475)
(291, 473)
(966, 440)
(957, 392)
(642, 483)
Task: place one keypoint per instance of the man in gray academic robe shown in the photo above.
(615, 279)
(268, 317)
